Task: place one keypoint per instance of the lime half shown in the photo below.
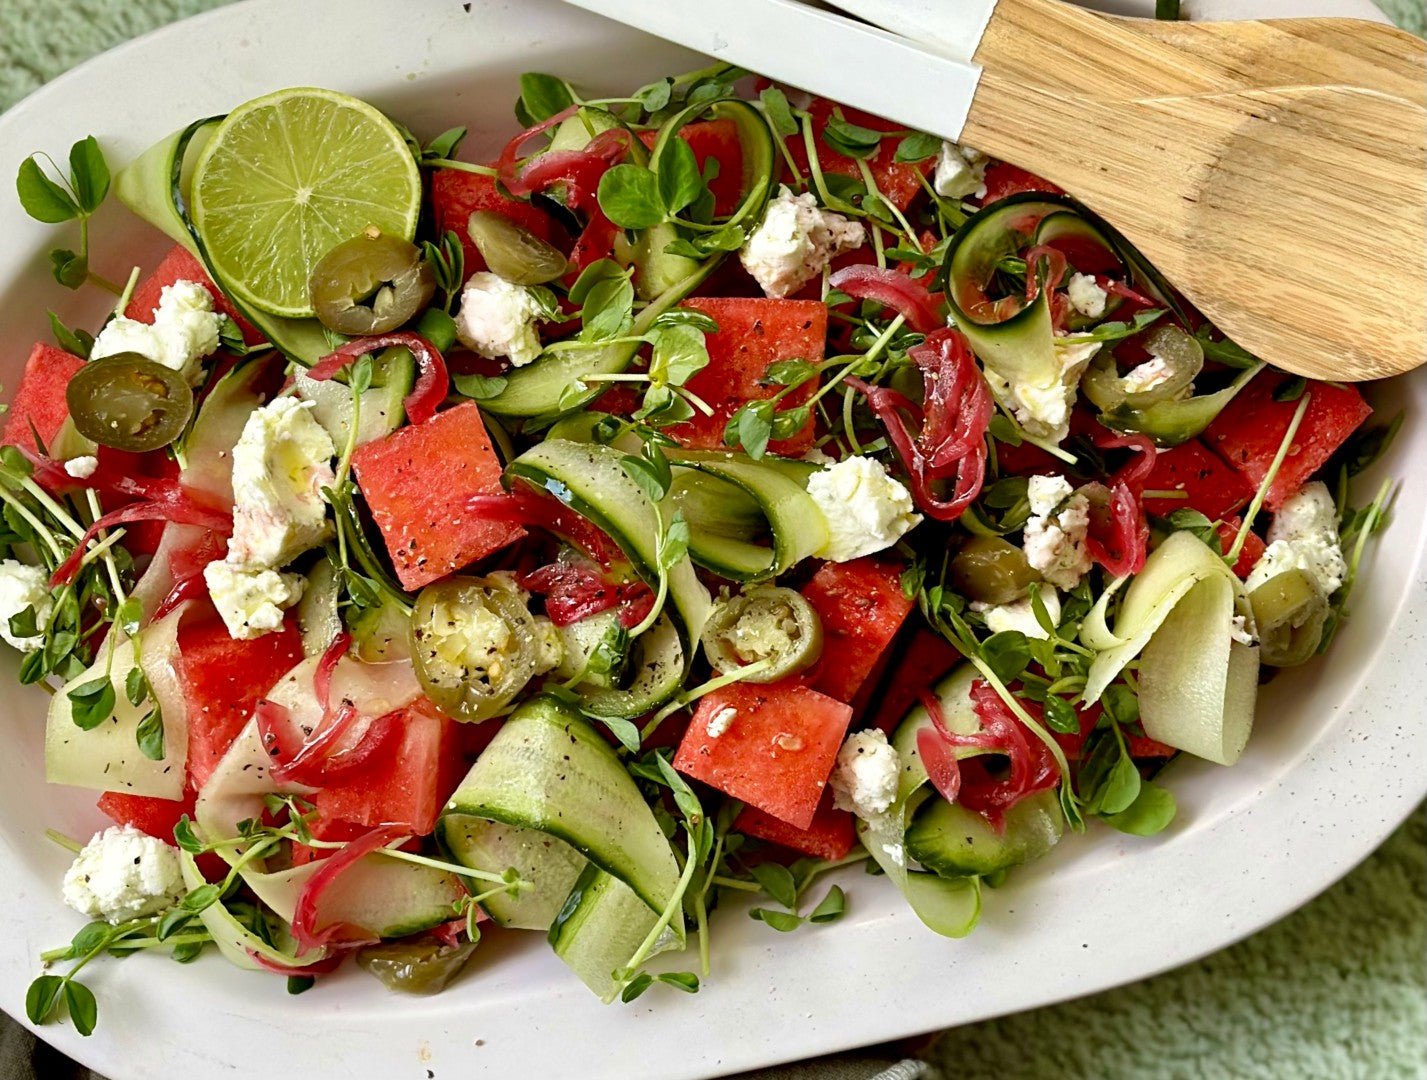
(289, 176)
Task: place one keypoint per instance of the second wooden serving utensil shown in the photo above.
(1293, 215)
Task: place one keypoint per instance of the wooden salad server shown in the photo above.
(1292, 214)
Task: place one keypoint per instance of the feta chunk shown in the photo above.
(721, 721)
(1239, 630)
(184, 330)
(1054, 538)
(1020, 615)
(1146, 376)
(497, 319)
(1304, 536)
(251, 599)
(1086, 296)
(866, 509)
(21, 587)
(1042, 409)
(865, 777)
(795, 242)
(82, 467)
(123, 874)
(280, 465)
(960, 171)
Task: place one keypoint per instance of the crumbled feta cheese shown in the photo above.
(21, 587)
(82, 467)
(1043, 409)
(817, 457)
(280, 465)
(497, 319)
(720, 722)
(1239, 630)
(184, 330)
(865, 777)
(1154, 372)
(250, 598)
(1304, 536)
(1054, 538)
(795, 242)
(1020, 614)
(1086, 296)
(866, 510)
(960, 171)
(122, 874)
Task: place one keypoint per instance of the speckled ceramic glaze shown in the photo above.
(1337, 760)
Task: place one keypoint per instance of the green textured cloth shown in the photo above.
(1337, 990)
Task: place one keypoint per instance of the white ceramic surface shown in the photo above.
(1337, 762)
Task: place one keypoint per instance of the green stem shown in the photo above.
(1232, 555)
(461, 166)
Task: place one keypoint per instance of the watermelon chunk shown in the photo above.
(752, 334)
(417, 482)
(917, 666)
(180, 264)
(408, 786)
(716, 140)
(862, 606)
(222, 681)
(776, 753)
(1004, 180)
(156, 817)
(898, 181)
(830, 836)
(1210, 486)
(1249, 554)
(456, 195)
(1247, 434)
(39, 399)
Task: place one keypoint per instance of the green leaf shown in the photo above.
(542, 96)
(40, 998)
(77, 342)
(777, 882)
(83, 1009)
(88, 174)
(186, 952)
(446, 144)
(136, 687)
(674, 545)
(1007, 654)
(129, 616)
(778, 111)
(1115, 331)
(680, 353)
(636, 986)
(360, 378)
(93, 702)
(1061, 716)
(42, 198)
(781, 921)
(788, 422)
(607, 310)
(1151, 812)
(201, 898)
(686, 317)
(592, 275)
(69, 269)
(851, 140)
(656, 95)
(23, 623)
(1291, 390)
(480, 387)
(624, 730)
(679, 179)
(300, 984)
(90, 938)
(684, 796)
(185, 837)
(173, 921)
(150, 735)
(1121, 788)
(686, 981)
(830, 908)
(646, 476)
(918, 146)
(1223, 351)
(751, 427)
(630, 197)
(791, 373)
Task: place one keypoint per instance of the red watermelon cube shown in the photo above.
(777, 751)
(39, 399)
(1248, 433)
(862, 606)
(898, 181)
(1209, 486)
(180, 264)
(752, 334)
(830, 836)
(222, 680)
(418, 481)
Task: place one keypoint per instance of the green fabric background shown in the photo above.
(1338, 990)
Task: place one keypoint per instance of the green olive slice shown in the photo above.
(513, 252)
(129, 402)
(421, 965)
(475, 645)
(991, 570)
(371, 284)
(767, 624)
(1290, 612)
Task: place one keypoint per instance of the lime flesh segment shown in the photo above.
(289, 176)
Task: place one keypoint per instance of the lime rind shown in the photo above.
(289, 176)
